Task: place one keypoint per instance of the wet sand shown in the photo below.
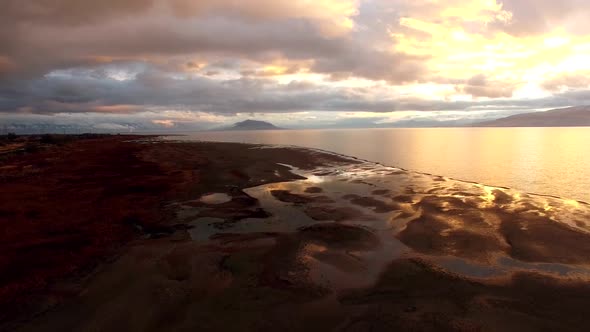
(249, 237)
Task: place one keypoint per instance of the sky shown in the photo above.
(151, 65)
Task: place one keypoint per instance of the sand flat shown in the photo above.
(305, 240)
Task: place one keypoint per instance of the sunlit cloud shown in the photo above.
(212, 62)
(164, 123)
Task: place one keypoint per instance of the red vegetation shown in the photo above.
(64, 208)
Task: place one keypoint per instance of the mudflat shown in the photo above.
(126, 233)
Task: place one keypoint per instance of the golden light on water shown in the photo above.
(573, 203)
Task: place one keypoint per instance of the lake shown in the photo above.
(551, 161)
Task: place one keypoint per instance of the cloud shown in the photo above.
(164, 123)
(153, 90)
(6, 65)
(112, 127)
(567, 80)
(69, 12)
(78, 13)
(375, 65)
(43, 35)
(334, 17)
(219, 58)
(536, 17)
(480, 86)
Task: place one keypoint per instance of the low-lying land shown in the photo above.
(126, 233)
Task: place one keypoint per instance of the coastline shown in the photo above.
(491, 157)
(305, 230)
(357, 159)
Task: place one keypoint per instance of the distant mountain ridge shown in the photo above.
(578, 116)
(252, 125)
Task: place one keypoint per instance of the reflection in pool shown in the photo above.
(350, 222)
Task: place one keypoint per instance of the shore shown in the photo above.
(114, 234)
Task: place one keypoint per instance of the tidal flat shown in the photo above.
(123, 233)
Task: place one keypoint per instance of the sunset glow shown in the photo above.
(258, 58)
(294, 165)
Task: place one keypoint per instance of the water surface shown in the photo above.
(551, 161)
(354, 220)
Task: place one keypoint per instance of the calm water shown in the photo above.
(553, 161)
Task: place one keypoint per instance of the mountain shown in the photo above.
(252, 125)
(578, 116)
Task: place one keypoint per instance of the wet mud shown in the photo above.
(263, 240)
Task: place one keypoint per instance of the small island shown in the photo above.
(252, 125)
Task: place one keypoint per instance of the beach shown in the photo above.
(128, 233)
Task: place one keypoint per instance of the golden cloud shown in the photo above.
(463, 40)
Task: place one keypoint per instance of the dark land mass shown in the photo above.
(564, 117)
(95, 236)
(69, 202)
(252, 125)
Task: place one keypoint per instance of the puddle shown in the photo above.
(461, 227)
(216, 198)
